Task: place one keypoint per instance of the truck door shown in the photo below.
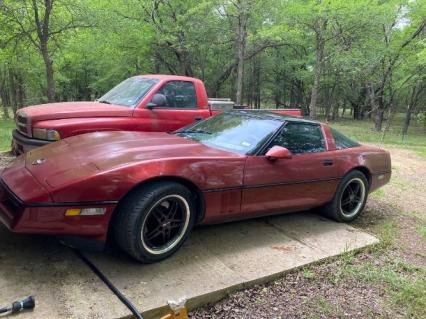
(180, 109)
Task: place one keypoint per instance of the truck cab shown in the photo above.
(149, 103)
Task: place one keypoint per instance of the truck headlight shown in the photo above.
(45, 134)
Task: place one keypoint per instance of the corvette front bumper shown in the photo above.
(50, 219)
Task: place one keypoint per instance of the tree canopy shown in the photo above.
(366, 57)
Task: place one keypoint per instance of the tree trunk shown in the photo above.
(319, 52)
(49, 73)
(241, 47)
(407, 120)
(335, 113)
(315, 87)
(378, 119)
(5, 112)
(12, 90)
(20, 94)
(414, 99)
(344, 110)
(3, 96)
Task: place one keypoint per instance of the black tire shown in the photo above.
(145, 219)
(346, 204)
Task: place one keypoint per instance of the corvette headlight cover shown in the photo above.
(46, 134)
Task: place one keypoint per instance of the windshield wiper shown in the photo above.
(103, 101)
(195, 131)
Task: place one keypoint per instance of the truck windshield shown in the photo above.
(129, 92)
(242, 133)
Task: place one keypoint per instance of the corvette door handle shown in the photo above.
(327, 162)
(198, 118)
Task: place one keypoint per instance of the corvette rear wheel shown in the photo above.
(154, 221)
(349, 199)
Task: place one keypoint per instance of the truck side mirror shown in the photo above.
(277, 152)
(158, 100)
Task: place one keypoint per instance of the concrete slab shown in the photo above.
(216, 260)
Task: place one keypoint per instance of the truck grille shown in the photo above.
(22, 123)
(22, 118)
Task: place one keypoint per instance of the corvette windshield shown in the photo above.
(241, 133)
(129, 92)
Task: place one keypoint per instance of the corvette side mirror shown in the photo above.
(158, 100)
(277, 152)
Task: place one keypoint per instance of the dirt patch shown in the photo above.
(304, 294)
(5, 159)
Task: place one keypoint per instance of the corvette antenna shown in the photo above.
(109, 284)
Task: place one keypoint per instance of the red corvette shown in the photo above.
(148, 190)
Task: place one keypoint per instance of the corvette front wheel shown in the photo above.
(153, 222)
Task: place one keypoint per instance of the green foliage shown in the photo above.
(370, 54)
(6, 126)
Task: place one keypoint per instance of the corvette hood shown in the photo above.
(56, 111)
(84, 155)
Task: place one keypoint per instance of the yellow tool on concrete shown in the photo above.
(177, 310)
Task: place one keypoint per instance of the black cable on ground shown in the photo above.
(6, 309)
(20, 305)
(110, 285)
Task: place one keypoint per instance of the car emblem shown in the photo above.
(39, 161)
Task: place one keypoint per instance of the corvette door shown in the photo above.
(306, 180)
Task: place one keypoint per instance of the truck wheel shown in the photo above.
(154, 221)
(350, 198)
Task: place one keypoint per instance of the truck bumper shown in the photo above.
(22, 144)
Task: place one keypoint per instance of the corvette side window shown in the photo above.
(179, 94)
(342, 141)
(301, 138)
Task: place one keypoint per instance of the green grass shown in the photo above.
(6, 126)
(421, 219)
(328, 308)
(403, 282)
(308, 274)
(379, 193)
(363, 132)
(415, 214)
(422, 230)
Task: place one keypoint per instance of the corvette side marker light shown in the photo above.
(85, 211)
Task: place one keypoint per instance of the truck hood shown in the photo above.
(64, 110)
(82, 156)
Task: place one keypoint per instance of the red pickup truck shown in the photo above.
(150, 103)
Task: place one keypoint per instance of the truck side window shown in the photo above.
(179, 94)
(301, 138)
